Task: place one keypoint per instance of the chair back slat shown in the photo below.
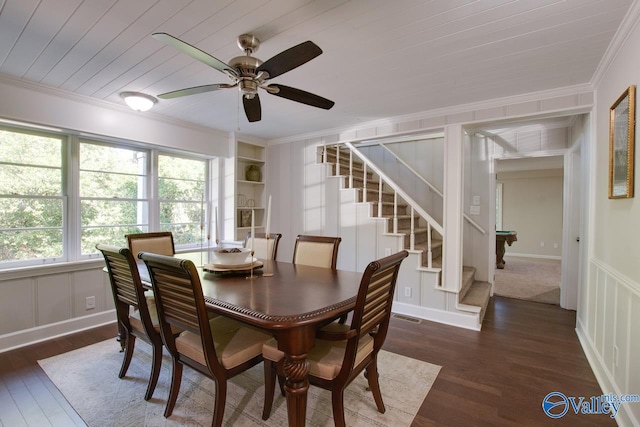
(174, 288)
(126, 285)
(377, 303)
(373, 305)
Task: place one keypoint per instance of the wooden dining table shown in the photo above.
(291, 304)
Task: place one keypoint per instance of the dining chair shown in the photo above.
(341, 352)
(136, 312)
(158, 242)
(219, 348)
(263, 248)
(316, 251)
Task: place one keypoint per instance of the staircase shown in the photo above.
(472, 296)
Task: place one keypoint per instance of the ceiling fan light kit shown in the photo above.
(249, 73)
(138, 101)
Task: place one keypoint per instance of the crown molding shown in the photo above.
(628, 25)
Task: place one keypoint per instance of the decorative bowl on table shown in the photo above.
(231, 256)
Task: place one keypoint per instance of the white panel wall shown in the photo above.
(17, 311)
(45, 302)
(608, 315)
(609, 301)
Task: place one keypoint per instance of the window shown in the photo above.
(32, 201)
(113, 194)
(182, 198)
(60, 195)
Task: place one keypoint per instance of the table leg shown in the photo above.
(500, 254)
(296, 343)
(296, 371)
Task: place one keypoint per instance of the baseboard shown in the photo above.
(439, 316)
(43, 333)
(517, 255)
(624, 418)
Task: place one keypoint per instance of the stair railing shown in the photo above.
(438, 192)
(398, 192)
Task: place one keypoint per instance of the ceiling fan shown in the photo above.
(249, 73)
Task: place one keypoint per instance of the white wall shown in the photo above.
(609, 301)
(300, 187)
(40, 302)
(31, 103)
(532, 206)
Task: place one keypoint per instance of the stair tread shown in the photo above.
(478, 294)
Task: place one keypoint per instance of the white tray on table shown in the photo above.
(225, 268)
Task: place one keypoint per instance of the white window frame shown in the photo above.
(70, 192)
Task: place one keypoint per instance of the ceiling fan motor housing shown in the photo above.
(249, 88)
(245, 65)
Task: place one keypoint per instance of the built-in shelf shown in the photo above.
(248, 191)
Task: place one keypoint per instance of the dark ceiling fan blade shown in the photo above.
(252, 108)
(301, 96)
(193, 90)
(194, 52)
(289, 59)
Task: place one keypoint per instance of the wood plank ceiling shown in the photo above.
(381, 58)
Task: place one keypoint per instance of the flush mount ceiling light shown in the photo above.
(138, 101)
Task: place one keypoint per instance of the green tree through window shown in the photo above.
(31, 196)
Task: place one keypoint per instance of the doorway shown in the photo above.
(529, 201)
(558, 144)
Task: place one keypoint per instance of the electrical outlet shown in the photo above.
(90, 303)
(407, 292)
(476, 200)
(387, 251)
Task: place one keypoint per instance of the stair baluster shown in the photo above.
(350, 169)
(364, 183)
(412, 236)
(379, 196)
(429, 252)
(395, 212)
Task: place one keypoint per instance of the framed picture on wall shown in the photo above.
(622, 118)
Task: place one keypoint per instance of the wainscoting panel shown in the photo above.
(608, 319)
(16, 305)
(39, 304)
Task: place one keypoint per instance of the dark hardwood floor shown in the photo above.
(497, 377)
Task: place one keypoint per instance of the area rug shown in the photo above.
(530, 279)
(88, 379)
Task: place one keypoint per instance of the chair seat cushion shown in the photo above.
(234, 342)
(326, 357)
